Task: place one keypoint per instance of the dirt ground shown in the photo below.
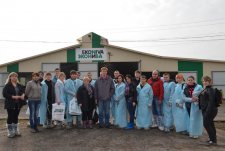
(105, 139)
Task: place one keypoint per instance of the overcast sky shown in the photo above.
(178, 28)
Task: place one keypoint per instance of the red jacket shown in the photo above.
(157, 87)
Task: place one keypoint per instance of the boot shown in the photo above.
(90, 124)
(160, 123)
(10, 131)
(85, 124)
(49, 124)
(16, 129)
(69, 125)
(130, 126)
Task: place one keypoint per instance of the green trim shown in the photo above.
(192, 66)
(13, 67)
(96, 41)
(71, 55)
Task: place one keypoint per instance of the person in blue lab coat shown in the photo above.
(190, 96)
(60, 94)
(112, 103)
(180, 114)
(144, 104)
(55, 77)
(120, 103)
(71, 87)
(47, 99)
(167, 102)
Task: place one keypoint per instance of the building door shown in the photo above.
(84, 68)
(218, 78)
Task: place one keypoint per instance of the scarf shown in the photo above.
(191, 89)
(89, 89)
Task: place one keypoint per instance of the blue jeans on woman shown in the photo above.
(34, 106)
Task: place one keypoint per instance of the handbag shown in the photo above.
(58, 111)
(95, 116)
(74, 108)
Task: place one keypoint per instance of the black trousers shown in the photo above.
(49, 110)
(13, 115)
(87, 115)
(209, 124)
(188, 107)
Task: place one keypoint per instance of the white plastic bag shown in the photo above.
(58, 112)
(74, 108)
(28, 111)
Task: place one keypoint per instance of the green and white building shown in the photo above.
(93, 51)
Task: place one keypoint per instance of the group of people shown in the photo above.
(157, 102)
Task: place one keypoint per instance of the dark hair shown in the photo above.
(192, 77)
(128, 76)
(207, 79)
(41, 72)
(116, 71)
(120, 75)
(137, 71)
(48, 74)
(57, 69)
(166, 74)
(35, 74)
(73, 72)
(143, 76)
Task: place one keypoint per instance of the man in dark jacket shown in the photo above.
(104, 90)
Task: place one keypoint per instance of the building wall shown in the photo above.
(3, 69)
(148, 63)
(34, 64)
(208, 67)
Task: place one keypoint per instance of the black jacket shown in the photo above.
(84, 98)
(207, 100)
(8, 92)
(132, 93)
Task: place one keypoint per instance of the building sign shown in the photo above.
(91, 54)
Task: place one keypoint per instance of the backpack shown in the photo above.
(218, 97)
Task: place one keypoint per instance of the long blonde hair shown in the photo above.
(10, 75)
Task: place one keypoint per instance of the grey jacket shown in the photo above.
(33, 90)
(104, 88)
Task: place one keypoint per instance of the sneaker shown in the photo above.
(108, 127)
(33, 131)
(212, 143)
(69, 126)
(161, 128)
(154, 125)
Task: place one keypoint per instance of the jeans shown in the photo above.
(13, 116)
(34, 106)
(104, 112)
(209, 124)
(156, 107)
(131, 109)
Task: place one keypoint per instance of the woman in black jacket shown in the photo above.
(14, 100)
(131, 98)
(209, 109)
(86, 100)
